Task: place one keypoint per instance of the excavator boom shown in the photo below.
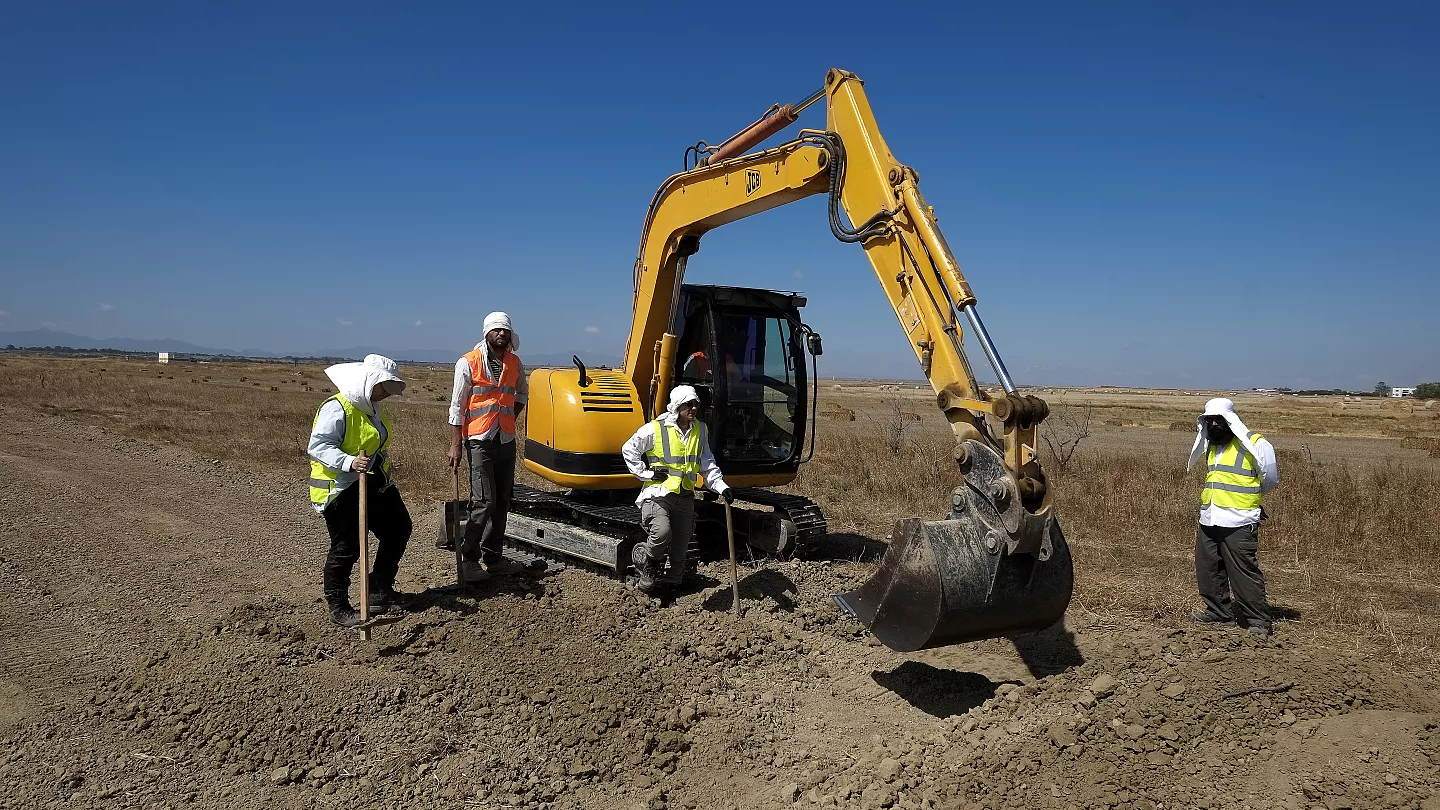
(998, 564)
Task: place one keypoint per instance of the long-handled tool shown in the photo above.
(455, 535)
(366, 620)
(734, 576)
(452, 529)
(364, 485)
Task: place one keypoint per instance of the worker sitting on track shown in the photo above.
(489, 393)
(350, 436)
(1240, 466)
(672, 456)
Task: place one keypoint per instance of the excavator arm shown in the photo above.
(999, 563)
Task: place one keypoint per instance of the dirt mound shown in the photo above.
(1193, 720)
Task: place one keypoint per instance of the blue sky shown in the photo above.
(1130, 187)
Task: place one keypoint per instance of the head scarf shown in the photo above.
(355, 381)
(1220, 406)
(679, 395)
(499, 320)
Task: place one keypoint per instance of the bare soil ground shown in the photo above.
(163, 644)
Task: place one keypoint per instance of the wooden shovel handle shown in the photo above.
(364, 554)
(734, 576)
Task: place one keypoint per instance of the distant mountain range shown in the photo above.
(38, 338)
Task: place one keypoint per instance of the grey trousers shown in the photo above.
(492, 482)
(668, 523)
(1226, 560)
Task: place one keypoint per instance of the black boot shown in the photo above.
(385, 599)
(341, 613)
(345, 616)
(647, 576)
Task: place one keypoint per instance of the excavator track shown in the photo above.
(804, 513)
(560, 528)
(571, 532)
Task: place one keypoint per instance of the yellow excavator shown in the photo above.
(996, 565)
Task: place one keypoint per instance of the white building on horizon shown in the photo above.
(1402, 392)
(166, 357)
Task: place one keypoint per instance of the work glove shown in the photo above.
(657, 475)
(728, 496)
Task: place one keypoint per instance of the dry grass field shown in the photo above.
(1352, 549)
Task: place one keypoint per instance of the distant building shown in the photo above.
(1402, 392)
(166, 357)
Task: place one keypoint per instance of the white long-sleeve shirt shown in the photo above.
(325, 439)
(460, 394)
(643, 441)
(1225, 517)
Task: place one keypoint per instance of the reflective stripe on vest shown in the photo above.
(360, 435)
(678, 455)
(491, 401)
(1232, 476)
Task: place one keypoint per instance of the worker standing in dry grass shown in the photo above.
(350, 437)
(489, 393)
(1240, 467)
(672, 456)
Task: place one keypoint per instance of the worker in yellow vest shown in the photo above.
(1239, 468)
(671, 456)
(490, 391)
(349, 439)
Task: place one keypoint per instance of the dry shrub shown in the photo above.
(1116, 422)
(1182, 425)
(1420, 443)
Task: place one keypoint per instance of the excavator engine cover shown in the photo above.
(992, 569)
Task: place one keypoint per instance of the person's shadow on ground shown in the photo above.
(759, 585)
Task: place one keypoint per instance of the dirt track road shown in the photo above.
(162, 644)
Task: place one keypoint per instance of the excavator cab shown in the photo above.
(743, 352)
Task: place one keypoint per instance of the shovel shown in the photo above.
(366, 622)
(734, 577)
(453, 514)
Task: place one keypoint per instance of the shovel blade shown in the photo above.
(939, 583)
(453, 517)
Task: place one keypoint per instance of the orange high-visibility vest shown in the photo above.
(491, 400)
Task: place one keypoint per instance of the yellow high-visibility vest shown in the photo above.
(1232, 476)
(360, 435)
(678, 456)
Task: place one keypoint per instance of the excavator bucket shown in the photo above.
(993, 569)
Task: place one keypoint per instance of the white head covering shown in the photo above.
(1219, 406)
(500, 320)
(355, 381)
(679, 395)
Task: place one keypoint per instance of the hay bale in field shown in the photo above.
(1182, 425)
(276, 388)
(839, 414)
